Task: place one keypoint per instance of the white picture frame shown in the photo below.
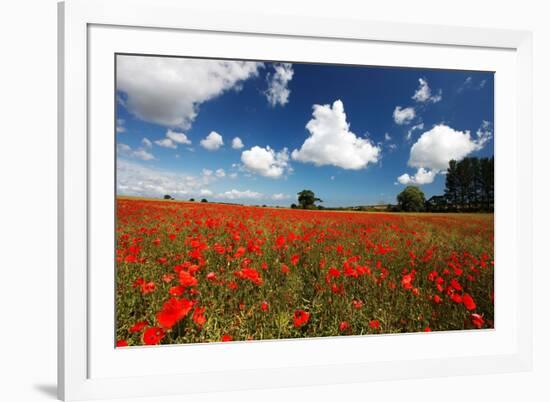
(84, 26)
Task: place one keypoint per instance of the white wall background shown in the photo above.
(28, 199)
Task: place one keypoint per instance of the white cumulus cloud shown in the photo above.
(403, 115)
(220, 173)
(436, 147)
(422, 176)
(169, 90)
(236, 194)
(419, 126)
(280, 196)
(120, 128)
(277, 92)
(166, 143)
(266, 162)
(136, 179)
(212, 142)
(484, 133)
(424, 93)
(469, 85)
(431, 153)
(177, 137)
(146, 142)
(332, 143)
(237, 143)
(140, 153)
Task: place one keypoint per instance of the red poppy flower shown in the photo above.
(153, 336)
(477, 320)
(432, 276)
(138, 282)
(226, 338)
(455, 284)
(130, 258)
(406, 281)
(294, 259)
(172, 311)
(456, 298)
(285, 269)
(468, 302)
(264, 306)
(374, 324)
(250, 274)
(334, 288)
(176, 290)
(121, 343)
(240, 252)
(138, 326)
(427, 329)
(148, 287)
(344, 325)
(363, 270)
(198, 316)
(211, 276)
(301, 318)
(437, 299)
(357, 304)
(186, 279)
(333, 273)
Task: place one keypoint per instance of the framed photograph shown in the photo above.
(253, 201)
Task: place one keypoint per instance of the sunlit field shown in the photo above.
(190, 272)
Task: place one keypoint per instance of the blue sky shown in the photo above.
(355, 135)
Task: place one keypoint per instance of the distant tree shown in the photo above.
(204, 200)
(307, 199)
(465, 175)
(487, 183)
(192, 199)
(411, 199)
(293, 206)
(469, 184)
(474, 193)
(437, 203)
(168, 197)
(451, 185)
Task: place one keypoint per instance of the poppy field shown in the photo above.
(190, 272)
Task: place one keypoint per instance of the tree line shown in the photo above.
(470, 184)
(469, 187)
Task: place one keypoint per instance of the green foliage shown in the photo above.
(411, 199)
(469, 184)
(307, 199)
